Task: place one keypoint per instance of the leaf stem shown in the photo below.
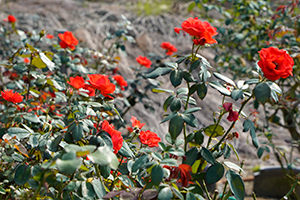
(206, 191)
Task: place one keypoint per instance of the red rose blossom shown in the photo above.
(149, 138)
(136, 123)
(233, 115)
(11, 18)
(9, 95)
(169, 47)
(116, 136)
(120, 80)
(26, 60)
(275, 63)
(67, 40)
(89, 90)
(202, 31)
(49, 36)
(144, 61)
(102, 83)
(77, 82)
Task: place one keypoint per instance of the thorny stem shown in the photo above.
(206, 191)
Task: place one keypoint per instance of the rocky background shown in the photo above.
(91, 21)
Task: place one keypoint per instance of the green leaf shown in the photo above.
(175, 105)
(260, 152)
(214, 173)
(168, 102)
(191, 110)
(175, 126)
(182, 90)
(262, 92)
(20, 133)
(139, 163)
(176, 78)
(207, 155)
(220, 88)
(22, 174)
(214, 131)
(199, 138)
(20, 68)
(195, 65)
(224, 78)
(17, 157)
(190, 196)
(77, 132)
(237, 94)
(158, 72)
(170, 116)
(248, 124)
(202, 90)
(191, 156)
(104, 156)
(87, 190)
(236, 184)
(31, 117)
(177, 193)
(233, 166)
(161, 90)
(165, 194)
(190, 119)
(54, 144)
(188, 77)
(126, 151)
(68, 166)
(234, 150)
(252, 81)
(98, 188)
(169, 161)
(173, 65)
(157, 175)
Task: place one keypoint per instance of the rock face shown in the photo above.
(91, 22)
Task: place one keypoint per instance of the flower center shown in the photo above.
(276, 64)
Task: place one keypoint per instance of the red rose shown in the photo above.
(49, 36)
(233, 116)
(26, 60)
(227, 106)
(9, 95)
(77, 82)
(67, 40)
(275, 63)
(144, 61)
(149, 138)
(11, 18)
(90, 91)
(198, 29)
(116, 136)
(102, 83)
(120, 80)
(169, 47)
(136, 123)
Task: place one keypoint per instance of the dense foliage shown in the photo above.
(62, 132)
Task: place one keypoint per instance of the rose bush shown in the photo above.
(63, 135)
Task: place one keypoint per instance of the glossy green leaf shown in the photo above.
(140, 162)
(175, 105)
(252, 81)
(207, 155)
(191, 156)
(87, 190)
(126, 151)
(170, 116)
(260, 152)
(20, 133)
(188, 77)
(176, 78)
(236, 184)
(214, 173)
(22, 174)
(173, 65)
(157, 174)
(220, 88)
(158, 72)
(68, 166)
(191, 110)
(202, 90)
(190, 119)
(190, 196)
(248, 124)
(20, 68)
(237, 94)
(262, 92)
(182, 90)
(104, 156)
(177, 193)
(214, 131)
(31, 117)
(165, 194)
(168, 102)
(77, 132)
(199, 138)
(224, 78)
(175, 126)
